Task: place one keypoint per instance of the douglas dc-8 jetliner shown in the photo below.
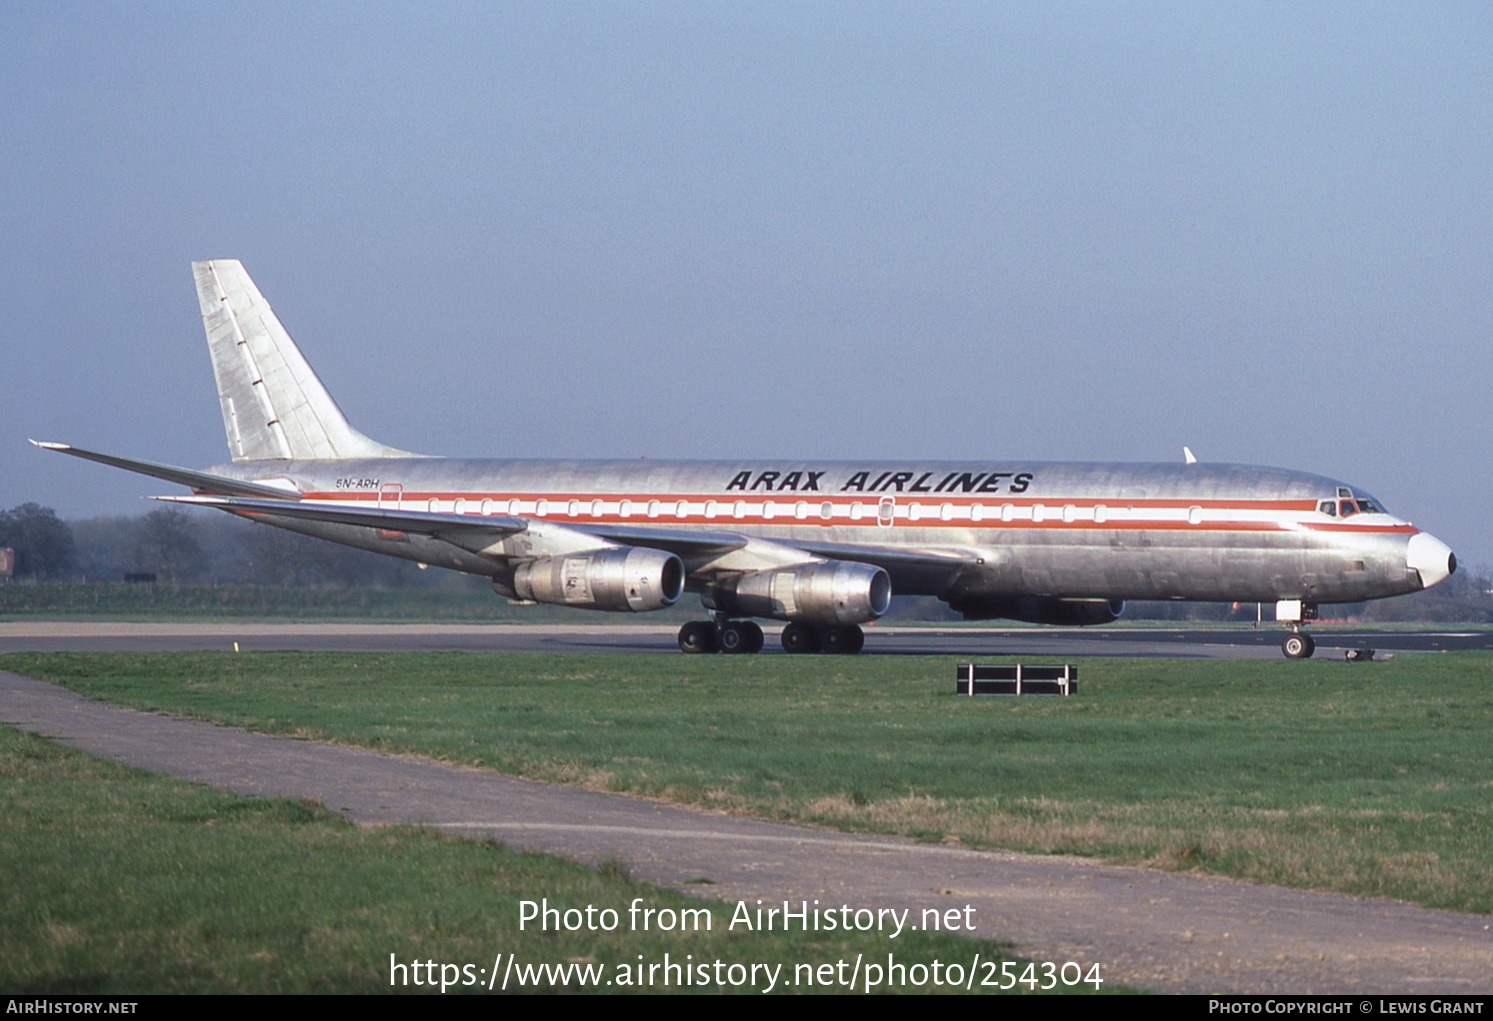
(822, 545)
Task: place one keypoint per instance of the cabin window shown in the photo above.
(857, 511)
(1039, 512)
(625, 508)
(1008, 512)
(886, 511)
(946, 512)
(976, 512)
(596, 508)
(826, 511)
(800, 510)
(541, 508)
(768, 510)
(681, 509)
(573, 508)
(738, 509)
(710, 508)
(513, 507)
(1101, 512)
(488, 507)
(1069, 512)
(653, 508)
(1194, 515)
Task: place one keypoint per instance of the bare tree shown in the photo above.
(43, 543)
(166, 543)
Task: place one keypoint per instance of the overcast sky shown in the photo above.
(964, 231)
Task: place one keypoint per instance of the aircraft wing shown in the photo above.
(464, 530)
(910, 569)
(202, 482)
(695, 548)
(469, 531)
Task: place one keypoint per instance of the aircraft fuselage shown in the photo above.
(1045, 529)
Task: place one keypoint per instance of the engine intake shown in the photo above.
(829, 592)
(621, 578)
(1035, 610)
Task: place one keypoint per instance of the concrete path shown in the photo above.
(1157, 930)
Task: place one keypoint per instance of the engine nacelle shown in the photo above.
(619, 578)
(1037, 610)
(831, 592)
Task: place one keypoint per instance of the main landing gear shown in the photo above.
(743, 636)
(726, 636)
(832, 638)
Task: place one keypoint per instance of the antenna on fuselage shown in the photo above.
(1188, 457)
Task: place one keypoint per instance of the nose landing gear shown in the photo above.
(1298, 644)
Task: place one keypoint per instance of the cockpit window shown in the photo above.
(1349, 503)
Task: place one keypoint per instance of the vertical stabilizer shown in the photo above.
(273, 404)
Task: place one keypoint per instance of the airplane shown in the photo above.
(821, 545)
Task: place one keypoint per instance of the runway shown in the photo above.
(1158, 930)
(1241, 642)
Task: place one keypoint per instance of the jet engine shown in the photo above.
(621, 578)
(827, 592)
(1037, 610)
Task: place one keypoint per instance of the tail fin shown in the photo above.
(273, 404)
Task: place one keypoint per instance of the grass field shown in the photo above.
(116, 881)
(1370, 779)
(66, 600)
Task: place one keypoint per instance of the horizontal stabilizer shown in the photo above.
(203, 482)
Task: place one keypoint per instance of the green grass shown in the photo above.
(1365, 778)
(116, 881)
(65, 600)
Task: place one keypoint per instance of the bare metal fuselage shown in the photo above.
(1042, 529)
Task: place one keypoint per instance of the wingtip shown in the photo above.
(45, 445)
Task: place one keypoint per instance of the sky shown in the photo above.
(765, 230)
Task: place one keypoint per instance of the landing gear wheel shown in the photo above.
(697, 636)
(800, 638)
(754, 630)
(1298, 645)
(739, 636)
(844, 639)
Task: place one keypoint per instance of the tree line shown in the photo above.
(177, 547)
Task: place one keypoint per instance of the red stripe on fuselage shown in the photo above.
(785, 512)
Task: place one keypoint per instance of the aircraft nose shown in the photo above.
(1431, 558)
